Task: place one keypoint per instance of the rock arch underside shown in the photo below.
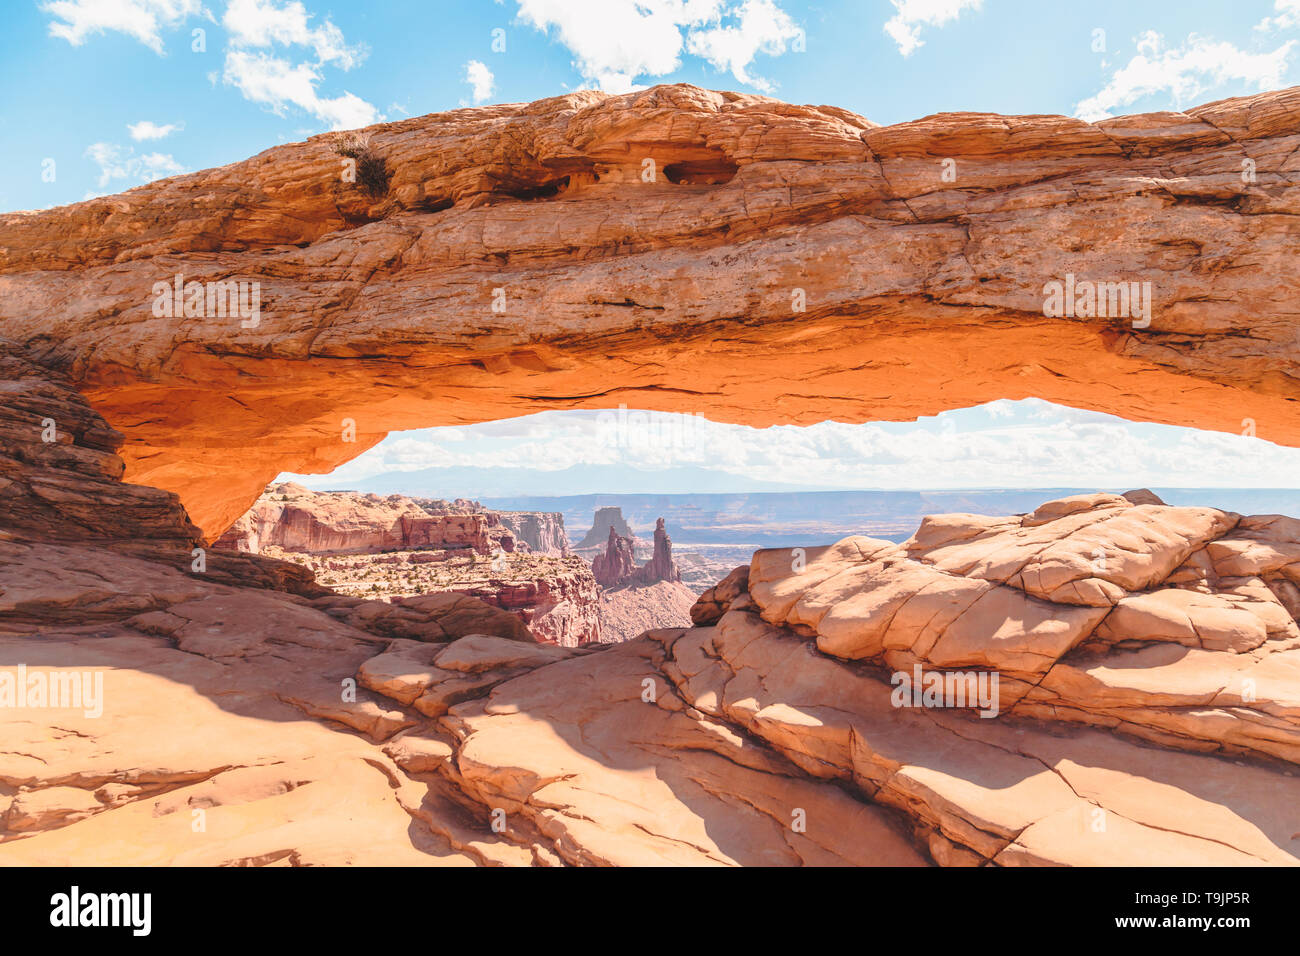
(1148, 709)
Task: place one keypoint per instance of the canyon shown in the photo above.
(293, 518)
(1147, 655)
(394, 548)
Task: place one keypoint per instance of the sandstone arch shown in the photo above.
(676, 294)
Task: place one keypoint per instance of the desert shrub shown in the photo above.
(372, 170)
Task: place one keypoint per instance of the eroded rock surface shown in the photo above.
(1147, 710)
(785, 264)
(294, 518)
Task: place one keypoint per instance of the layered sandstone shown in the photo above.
(783, 264)
(542, 531)
(559, 602)
(1146, 656)
(394, 548)
(293, 518)
(661, 566)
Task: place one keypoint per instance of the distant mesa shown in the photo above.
(294, 518)
(402, 550)
(607, 520)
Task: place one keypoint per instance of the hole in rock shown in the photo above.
(704, 172)
(546, 190)
(434, 204)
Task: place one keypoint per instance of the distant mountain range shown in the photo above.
(785, 519)
(728, 510)
(483, 483)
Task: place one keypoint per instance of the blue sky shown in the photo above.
(97, 96)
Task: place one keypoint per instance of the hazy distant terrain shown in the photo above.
(783, 519)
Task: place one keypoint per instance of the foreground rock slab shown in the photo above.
(161, 702)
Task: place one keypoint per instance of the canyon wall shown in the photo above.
(672, 249)
(542, 531)
(294, 518)
(784, 264)
(395, 547)
(560, 605)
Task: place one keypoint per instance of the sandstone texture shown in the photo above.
(558, 601)
(629, 611)
(784, 264)
(542, 531)
(1146, 710)
(555, 598)
(293, 518)
(617, 564)
(396, 548)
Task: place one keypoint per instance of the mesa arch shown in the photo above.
(676, 294)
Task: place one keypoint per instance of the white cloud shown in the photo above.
(480, 79)
(145, 129)
(1288, 16)
(910, 16)
(75, 20)
(263, 23)
(118, 162)
(1184, 72)
(760, 27)
(1003, 444)
(277, 83)
(257, 27)
(617, 43)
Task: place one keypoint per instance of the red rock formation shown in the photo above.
(661, 566)
(616, 565)
(1138, 644)
(60, 474)
(542, 531)
(560, 607)
(716, 601)
(1146, 654)
(627, 613)
(294, 518)
(796, 263)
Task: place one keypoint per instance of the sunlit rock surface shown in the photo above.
(673, 249)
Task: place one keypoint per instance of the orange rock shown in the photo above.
(787, 264)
